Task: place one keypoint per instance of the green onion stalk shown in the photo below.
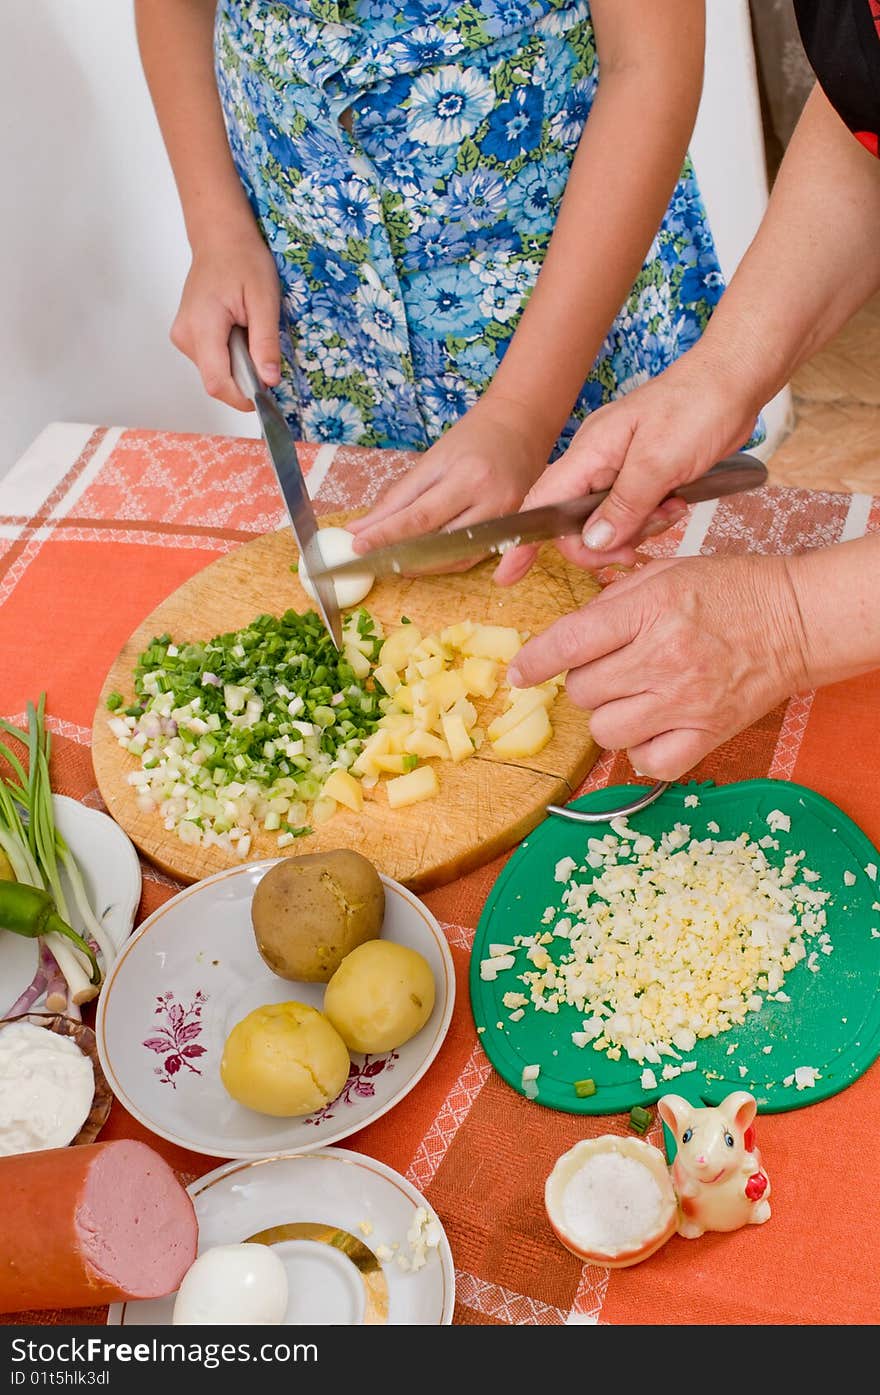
(35, 904)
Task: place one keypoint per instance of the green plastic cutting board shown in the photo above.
(832, 1022)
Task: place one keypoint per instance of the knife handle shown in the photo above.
(247, 379)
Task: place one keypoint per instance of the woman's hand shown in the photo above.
(678, 657)
(480, 468)
(641, 447)
(232, 281)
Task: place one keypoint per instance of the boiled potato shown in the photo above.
(345, 789)
(456, 737)
(527, 738)
(380, 996)
(309, 912)
(284, 1059)
(492, 642)
(421, 783)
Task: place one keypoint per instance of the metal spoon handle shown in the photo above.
(606, 815)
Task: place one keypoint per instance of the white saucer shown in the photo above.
(343, 1194)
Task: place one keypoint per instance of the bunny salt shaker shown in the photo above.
(717, 1173)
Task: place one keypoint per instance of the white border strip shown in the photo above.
(27, 486)
(855, 524)
(90, 473)
(697, 528)
(451, 1115)
(320, 469)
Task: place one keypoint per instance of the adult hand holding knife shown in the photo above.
(433, 552)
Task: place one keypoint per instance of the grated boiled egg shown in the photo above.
(670, 941)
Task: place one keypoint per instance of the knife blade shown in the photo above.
(432, 552)
(285, 462)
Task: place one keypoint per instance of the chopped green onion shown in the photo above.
(640, 1119)
(235, 731)
(114, 700)
(584, 1088)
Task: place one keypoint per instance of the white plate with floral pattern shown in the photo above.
(191, 972)
(112, 875)
(339, 1223)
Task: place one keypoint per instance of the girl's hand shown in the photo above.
(232, 281)
(640, 447)
(677, 658)
(480, 468)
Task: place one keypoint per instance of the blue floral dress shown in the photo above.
(406, 162)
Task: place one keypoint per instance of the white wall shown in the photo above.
(91, 239)
(92, 243)
(728, 154)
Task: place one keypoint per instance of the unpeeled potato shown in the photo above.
(380, 996)
(284, 1059)
(309, 912)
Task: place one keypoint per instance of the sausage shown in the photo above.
(92, 1224)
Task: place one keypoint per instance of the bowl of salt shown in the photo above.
(610, 1200)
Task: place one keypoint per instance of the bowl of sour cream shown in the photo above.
(52, 1089)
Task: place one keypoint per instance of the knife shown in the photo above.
(282, 452)
(434, 551)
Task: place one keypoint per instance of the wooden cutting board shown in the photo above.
(485, 805)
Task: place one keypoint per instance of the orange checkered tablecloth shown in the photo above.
(98, 524)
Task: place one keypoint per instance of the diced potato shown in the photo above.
(427, 745)
(403, 698)
(399, 645)
(398, 726)
(378, 744)
(526, 700)
(446, 688)
(466, 711)
(367, 770)
(456, 737)
(397, 764)
(396, 721)
(359, 662)
(345, 789)
(409, 789)
(399, 738)
(388, 677)
(499, 642)
(426, 715)
(480, 676)
(322, 810)
(433, 644)
(527, 738)
(353, 639)
(454, 635)
(428, 667)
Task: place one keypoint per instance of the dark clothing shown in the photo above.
(842, 40)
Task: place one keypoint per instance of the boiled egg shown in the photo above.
(336, 545)
(233, 1285)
